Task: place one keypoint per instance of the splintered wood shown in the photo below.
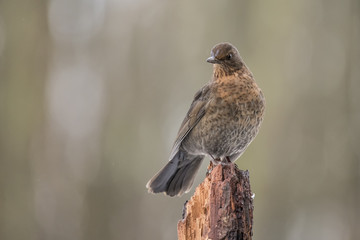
(221, 207)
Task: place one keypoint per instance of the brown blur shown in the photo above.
(92, 94)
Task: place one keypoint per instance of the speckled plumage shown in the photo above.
(223, 119)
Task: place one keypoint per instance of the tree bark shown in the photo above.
(221, 207)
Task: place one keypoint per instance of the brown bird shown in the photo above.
(223, 119)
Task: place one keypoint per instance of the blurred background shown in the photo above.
(92, 93)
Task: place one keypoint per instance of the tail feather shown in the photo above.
(159, 182)
(177, 176)
(184, 178)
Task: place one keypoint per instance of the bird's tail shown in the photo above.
(177, 176)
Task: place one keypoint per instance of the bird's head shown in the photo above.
(226, 56)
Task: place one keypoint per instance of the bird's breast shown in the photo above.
(231, 121)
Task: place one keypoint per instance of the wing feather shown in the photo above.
(196, 112)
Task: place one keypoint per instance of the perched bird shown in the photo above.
(223, 119)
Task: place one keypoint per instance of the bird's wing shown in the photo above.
(196, 112)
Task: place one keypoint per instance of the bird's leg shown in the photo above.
(210, 168)
(226, 160)
(213, 163)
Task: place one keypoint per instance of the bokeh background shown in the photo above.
(92, 93)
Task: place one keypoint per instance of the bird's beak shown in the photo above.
(212, 59)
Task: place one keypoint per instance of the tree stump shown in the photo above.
(221, 207)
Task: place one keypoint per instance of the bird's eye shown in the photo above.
(229, 56)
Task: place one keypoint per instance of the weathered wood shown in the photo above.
(221, 207)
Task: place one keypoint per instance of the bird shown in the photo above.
(224, 118)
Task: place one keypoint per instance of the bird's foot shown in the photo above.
(225, 161)
(213, 163)
(210, 168)
(216, 161)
